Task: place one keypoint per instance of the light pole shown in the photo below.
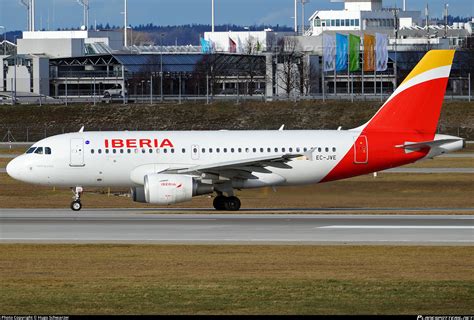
(212, 14)
(161, 66)
(303, 3)
(4, 40)
(14, 75)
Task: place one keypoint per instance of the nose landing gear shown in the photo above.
(76, 204)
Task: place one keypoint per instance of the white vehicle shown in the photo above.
(114, 92)
(170, 167)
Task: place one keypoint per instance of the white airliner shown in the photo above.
(170, 167)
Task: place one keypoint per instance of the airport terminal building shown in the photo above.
(92, 64)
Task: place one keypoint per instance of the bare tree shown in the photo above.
(308, 75)
(289, 59)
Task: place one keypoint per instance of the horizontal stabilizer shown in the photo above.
(426, 144)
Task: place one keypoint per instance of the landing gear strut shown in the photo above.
(222, 203)
(76, 204)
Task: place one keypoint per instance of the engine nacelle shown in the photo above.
(167, 189)
(138, 194)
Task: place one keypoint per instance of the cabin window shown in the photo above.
(305, 149)
(319, 149)
(122, 151)
(165, 150)
(261, 150)
(184, 150)
(232, 150)
(92, 151)
(218, 150)
(333, 149)
(210, 150)
(172, 150)
(327, 149)
(99, 151)
(203, 150)
(276, 149)
(106, 150)
(143, 150)
(269, 150)
(240, 150)
(129, 151)
(114, 150)
(225, 150)
(298, 149)
(150, 150)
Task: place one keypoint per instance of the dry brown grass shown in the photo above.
(387, 190)
(444, 163)
(229, 279)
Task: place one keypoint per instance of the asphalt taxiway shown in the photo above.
(146, 226)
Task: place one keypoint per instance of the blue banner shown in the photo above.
(205, 46)
(341, 52)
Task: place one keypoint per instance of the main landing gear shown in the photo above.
(223, 203)
(76, 204)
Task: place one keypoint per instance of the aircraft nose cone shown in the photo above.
(14, 169)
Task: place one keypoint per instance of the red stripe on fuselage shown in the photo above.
(411, 116)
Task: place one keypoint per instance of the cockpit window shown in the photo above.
(39, 150)
(47, 150)
(31, 150)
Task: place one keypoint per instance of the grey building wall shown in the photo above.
(41, 75)
(56, 48)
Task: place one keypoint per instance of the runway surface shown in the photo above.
(143, 226)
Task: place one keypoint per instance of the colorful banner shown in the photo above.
(341, 52)
(232, 46)
(381, 52)
(329, 52)
(369, 52)
(354, 53)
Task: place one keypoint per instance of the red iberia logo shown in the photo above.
(138, 143)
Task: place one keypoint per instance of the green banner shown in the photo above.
(354, 53)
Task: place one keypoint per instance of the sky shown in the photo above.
(52, 14)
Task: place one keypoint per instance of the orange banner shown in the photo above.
(369, 52)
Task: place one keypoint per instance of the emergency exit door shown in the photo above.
(77, 153)
(361, 150)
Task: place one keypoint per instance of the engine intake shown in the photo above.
(164, 189)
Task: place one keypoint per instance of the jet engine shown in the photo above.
(164, 189)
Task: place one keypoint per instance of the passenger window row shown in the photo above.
(211, 150)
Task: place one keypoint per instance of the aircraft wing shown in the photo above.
(240, 168)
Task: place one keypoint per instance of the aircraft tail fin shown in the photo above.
(415, 106)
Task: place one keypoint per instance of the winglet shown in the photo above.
(282, 127)
(82, 129)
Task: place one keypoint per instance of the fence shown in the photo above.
(96, 90)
